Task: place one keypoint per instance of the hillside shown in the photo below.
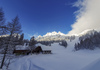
(60, 59)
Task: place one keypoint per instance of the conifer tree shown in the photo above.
(32, 43)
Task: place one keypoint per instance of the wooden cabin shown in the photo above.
(21, 51)
(37, 50)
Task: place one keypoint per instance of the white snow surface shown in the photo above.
(61, 59)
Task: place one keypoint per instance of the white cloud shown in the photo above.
(88, 16)
(36, 35)
(31, 35)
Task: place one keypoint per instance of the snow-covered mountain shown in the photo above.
(60, 59)
(54, 36)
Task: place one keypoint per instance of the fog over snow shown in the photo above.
(87, 16)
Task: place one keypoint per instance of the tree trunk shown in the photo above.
(4, 57)
(2, 63)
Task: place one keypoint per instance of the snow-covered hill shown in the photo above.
(60, 59)
(95, 65)
(87, 33)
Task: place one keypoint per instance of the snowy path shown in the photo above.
(25, 64)
(30, 66)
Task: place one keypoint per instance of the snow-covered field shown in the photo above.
(61, 59)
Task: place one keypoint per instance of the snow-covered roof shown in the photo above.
(44, 47)
(22, 47)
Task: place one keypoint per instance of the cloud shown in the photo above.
(36, 35)
(31, 35)
(87, 16)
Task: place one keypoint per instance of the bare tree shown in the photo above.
(12, 27)
(3, 28)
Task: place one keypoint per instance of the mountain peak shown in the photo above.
(53, 33)
(54, 36)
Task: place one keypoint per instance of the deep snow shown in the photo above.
(61, 59)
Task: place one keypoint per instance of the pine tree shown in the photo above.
(89, 42)
(32, 44)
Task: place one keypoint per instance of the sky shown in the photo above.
(38, 17)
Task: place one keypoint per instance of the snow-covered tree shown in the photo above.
(21, 39)
(32, 44)
(89, 41)
(63, 43)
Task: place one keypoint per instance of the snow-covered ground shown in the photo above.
(61, 59)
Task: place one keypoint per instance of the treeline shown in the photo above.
(91, 42)
(48, 43)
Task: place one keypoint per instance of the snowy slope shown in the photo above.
(95, 65)
(61, 59)
(87, 33)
